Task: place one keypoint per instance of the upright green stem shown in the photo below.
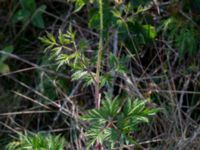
(99, 57)
(98, 65)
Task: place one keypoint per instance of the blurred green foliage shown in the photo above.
(4, 68)
(37, 142)
(29, 12)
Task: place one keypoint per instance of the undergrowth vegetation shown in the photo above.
(37, 142)
(99, 74)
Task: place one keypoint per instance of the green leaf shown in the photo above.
(137, 107)
(79, 75)
(29, 5)
(113, 60)
(57, 50)
(61, 37)
(111, 107)
(8, 49)
(79, 5)
(141, 119)
(95, 116)
(149, 31)
(85, 76)
(94, 21)
(83, 44)
(150, 112)
(37, 19)
(106, 79)
(116, 13)
(46, 41)
(21, 15)
(51, 37)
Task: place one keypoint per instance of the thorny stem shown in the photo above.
(98, 65)
(99, 57)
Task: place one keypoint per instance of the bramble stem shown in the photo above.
(99, 57)
(98, 65)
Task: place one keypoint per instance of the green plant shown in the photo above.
(37, 142)
(183, 34)
(30, 13)
(124, 119)
(113, 123)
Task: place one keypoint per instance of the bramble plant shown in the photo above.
(37, 142)
(107, 68)
(112, 123)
